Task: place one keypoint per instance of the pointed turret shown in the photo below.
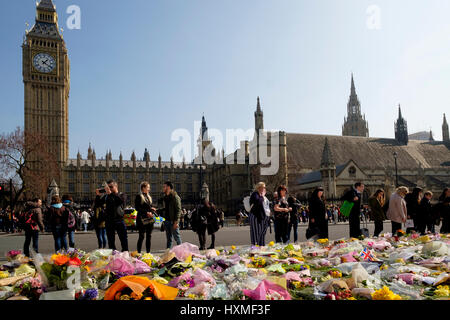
(401, 128)
(159, 161)
(445, 132)
(259, 117)
(327, 156)
(89, 156)
(431, 139)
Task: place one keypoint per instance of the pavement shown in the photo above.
(227, 236)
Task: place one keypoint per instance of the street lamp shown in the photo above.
(396, 169)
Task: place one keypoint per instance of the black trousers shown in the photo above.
(355, 226)
(31, 234)
(378, 228)
(281, 231)
(145, 232)
(201, 232)
(120, 227)
(395, 227)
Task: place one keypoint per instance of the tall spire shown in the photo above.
(445, 132)
(204, 129)
(353, 89)
(355, 123)
(259, 117)
(401, 128)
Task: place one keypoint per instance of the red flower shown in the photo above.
(74, 262)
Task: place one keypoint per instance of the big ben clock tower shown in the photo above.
(46, 77)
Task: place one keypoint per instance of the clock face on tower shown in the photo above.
(43, 62)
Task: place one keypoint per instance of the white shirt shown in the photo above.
(85, 217)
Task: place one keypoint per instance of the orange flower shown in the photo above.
(60, 260)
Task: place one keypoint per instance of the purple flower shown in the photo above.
(90, 294)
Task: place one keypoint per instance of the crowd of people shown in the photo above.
(413, 210)
(107, 218)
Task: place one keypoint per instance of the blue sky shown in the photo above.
(141, 69)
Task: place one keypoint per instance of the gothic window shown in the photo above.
(154, 187)
(141, 176)
(189, 177)
(153, 177)
(352, 172)
(127, 176)
(71, 187)
(85, 175)
(100, 175)
(71, 175)
(177, 177)
(86, 188)
(189, 187)
(128, 187)
(114, 176)
(178, 187)
(165, 177)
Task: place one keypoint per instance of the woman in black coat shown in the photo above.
(213, 224)
(377, 210)
(200, 222)
(317, 211)
(145, 214)
(413, 206)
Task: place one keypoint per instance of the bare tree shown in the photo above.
(26, 158)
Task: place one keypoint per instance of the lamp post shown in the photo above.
(396, 169)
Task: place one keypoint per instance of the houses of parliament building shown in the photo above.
(306, 160)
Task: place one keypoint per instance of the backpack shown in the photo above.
(71, 221)
(30, 222)
(247, 205)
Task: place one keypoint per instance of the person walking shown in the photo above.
(59, 217)
(317, 214)
(33, 222)
(213, 224)
(397, 211)
(354, 196)
(200, 222)
(282, 213)
(294, 218)
(259, 221)
(412, 200)
(172, 213)
(115, 203)
(85, 220)
(377, 210)
(99, 222)
(145, 216)
(424, 214)
(72, 221)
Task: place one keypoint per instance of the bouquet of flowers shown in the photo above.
(13, 255)
(56, 272)
(30, 287)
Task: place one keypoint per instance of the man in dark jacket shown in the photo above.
(354, 196)
(115, 203)
(424, 215)
(172, 214)
(32, 224)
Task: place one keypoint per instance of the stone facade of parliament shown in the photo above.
(306, 160)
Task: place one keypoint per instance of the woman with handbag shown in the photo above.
(282, 216)
(145, 216)
(200, 222)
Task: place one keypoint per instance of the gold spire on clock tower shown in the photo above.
(46, 77)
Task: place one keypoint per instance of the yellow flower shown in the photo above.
(233, 247)
(384, 267)
(4, 274)
(271, 244)
(442, 291)
(385, 294)
(322, 241)
(218, 252)
(351, 298)
(192, 296)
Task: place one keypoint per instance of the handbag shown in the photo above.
(346, 208)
